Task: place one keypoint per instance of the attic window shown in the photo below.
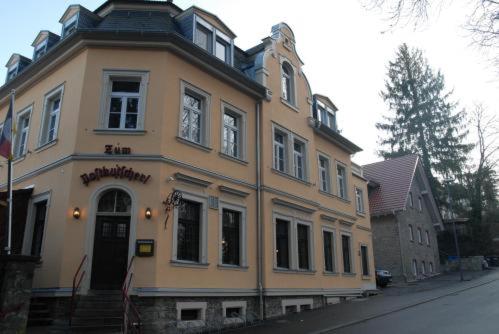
(326, 115)
(70, 25)
(212, 40)
(40, 50)
(12, 71)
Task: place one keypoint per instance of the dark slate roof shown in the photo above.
(394, 177)
(124, 20)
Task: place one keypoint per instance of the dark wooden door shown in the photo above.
(110, 255)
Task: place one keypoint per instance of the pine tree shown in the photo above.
(425, 120)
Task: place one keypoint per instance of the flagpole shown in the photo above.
(9, 182)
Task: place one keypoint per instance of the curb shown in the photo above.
(355, 322)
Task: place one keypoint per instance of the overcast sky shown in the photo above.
(345, 48)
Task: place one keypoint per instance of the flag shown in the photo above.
(6, 135)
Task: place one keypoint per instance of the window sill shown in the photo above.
(125, 132)
(194, 144)
(291, 177)
(326, 193)
(289, 105)
(229, 157)
(330, 273)
(18, 159)
(186, 324)
(232, 267)
(366, 278)
(46, 146)
(343, 199)
(360, 214)
(348, 274)
(189, 264)
(294, 271)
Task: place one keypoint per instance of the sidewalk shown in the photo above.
(359, 310)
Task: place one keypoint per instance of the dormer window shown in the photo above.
(12, 71)
(326, 115)
(212, 40)
(70, 25)
(40, 50)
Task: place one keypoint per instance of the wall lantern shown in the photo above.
(76, 213)
(148, 213)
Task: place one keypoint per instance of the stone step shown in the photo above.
(100, 329)
(96, 321)
(93, 312)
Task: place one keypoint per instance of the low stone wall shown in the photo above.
(472, 263)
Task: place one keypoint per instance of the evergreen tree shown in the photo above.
(425, 120)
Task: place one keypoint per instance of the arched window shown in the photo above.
(114, 202)
(287, 83)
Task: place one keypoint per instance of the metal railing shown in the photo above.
(77, 279)
(131, 315)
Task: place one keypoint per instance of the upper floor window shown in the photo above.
(50, 116)
(222, 50)
(70, 25)
(427, 235)
(279, 151)
(324, 179)
(12, 71)
(213, 40)
(411, 200)
(359, 200)
(420, 236)
(21, 143)
(233, 132)
(299, 159)
(290, 153)
(40, 50)
(203, 37)
(194, 121)
(420, 204)
(411, 234)
(287, 83)
(327, 115)
(342, 181)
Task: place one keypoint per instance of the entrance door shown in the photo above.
(112, 230)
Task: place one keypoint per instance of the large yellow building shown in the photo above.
(139, 99)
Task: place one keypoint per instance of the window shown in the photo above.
(431, 267)
(365, 260)
(298, 159)
(324, 179)
(342, 181)
(233, 132)
(38, 227)
(234, 311)
(188, 231)
(420, 237)
(212, 40)
(50, 120)
(327, 115)
(12, 72)
(427, 235)
(287, 83)
(423, 268)
(194, 122)
(124, 101)
(21, 143)
(231, 235)
(203, 37)
(191, 314)
(303, 234)
(329, 254)
(40, 50)
(414, 267)
(359, 200)
(346, 251)
(279, 151)
(411, 234)
(70, 25)
(411, 200)
(420, 204)
(282, 243)
(222, 49)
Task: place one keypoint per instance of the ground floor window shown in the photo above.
(191, 314)
(414, 267)
(188, 231)
(328, 238)
(282, 243)
(38, 227)
(234, 311)
(346, 250)
(431, 267)
(303, 232)
(231, 233)
(365, 260)
(423, 267)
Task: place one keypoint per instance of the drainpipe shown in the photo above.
(259, 233)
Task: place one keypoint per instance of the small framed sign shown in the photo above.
(144, 247)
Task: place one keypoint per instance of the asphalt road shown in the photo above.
(473, 311)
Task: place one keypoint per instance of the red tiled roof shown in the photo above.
(394, 177)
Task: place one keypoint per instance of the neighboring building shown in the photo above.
(404, 218)
(138, 99)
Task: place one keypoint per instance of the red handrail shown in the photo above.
(130, 321)
(76, 286)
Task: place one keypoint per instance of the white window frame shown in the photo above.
(300, 156)
(201, 306)
(68, 22)
(289, 164)
(243, 261)
(276, 146)
(40, 46)
(335, 262)
(411, 233)
(232, 304)
(427, 235)
(293, 242)
(420, 236)
(203, 228)
(107, 87)
(327, 171)
(205, 128)
(292, 101)
(242, 131)
(344, 180)
(43, 138)
(212, 43)
(26, 112)
(30, 221)
(14, 68)
(352, 262)
(359, 200)
(331, 114)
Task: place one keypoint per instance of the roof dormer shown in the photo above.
(77, 16)
(43, 42)
(325, 111)
(15, 65)
(208, 32)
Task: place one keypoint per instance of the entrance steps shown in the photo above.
(98, 312)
